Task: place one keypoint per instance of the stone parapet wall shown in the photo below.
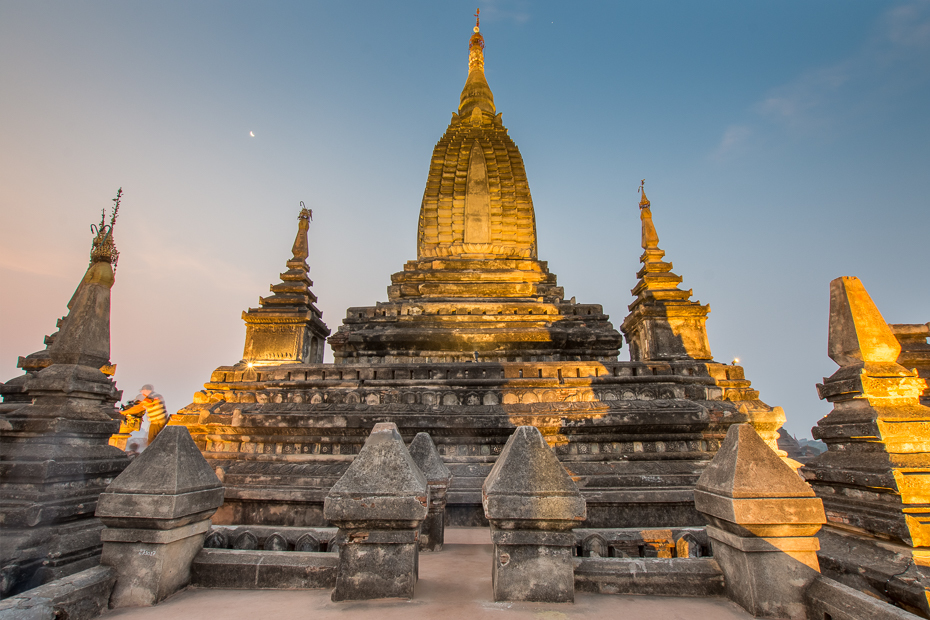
(636, 435)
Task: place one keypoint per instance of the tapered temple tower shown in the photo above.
(477, 290)
(474, 340)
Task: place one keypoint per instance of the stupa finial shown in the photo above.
(301, 250)
(477, 94)
(103, 249)
(650, 236)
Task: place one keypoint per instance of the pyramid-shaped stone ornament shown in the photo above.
(426, 456)
(157, 514)
(528, 488)
(383, 487)
(748, 489)
(762, 519)
(532, 504)
(378, 505)
(169, 484)
(858, 333)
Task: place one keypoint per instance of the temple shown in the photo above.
(474, 396)
(475, 339)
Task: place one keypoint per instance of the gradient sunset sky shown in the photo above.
(783, 144)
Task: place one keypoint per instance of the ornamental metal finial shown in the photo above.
(477, 19)
(643, 202)
(103, 249)
(305, 212)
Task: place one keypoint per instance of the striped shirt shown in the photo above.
(155, 406)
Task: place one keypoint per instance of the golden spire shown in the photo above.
(650, 236)
(476, 94)
(300, 250)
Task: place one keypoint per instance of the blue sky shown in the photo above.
(783, 144)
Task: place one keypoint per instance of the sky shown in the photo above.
(783, 144)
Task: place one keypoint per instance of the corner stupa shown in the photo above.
(288, 327)
(663, 324)
(54, 454)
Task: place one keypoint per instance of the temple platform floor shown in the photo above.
(454, 583)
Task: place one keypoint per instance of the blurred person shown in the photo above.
(153, 405)
(133, 448)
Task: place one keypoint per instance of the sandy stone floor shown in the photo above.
(455, 583)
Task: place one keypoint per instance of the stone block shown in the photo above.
(80, 596)
(533, 565)
(763, 575)
(654, 577)
(377, 564)
(424, 454)
(829, 599)
(280, 570)
(151, 564)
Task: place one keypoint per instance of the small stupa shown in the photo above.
(663, 324)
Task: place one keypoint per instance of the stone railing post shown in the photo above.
(532, 504)
(157, 513)
(762, 523)
(427, 458)
(378, 506)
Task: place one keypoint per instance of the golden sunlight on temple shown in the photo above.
(474, 403)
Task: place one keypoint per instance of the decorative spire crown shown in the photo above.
(643, 202)
(476, 46)
(476, 97)
(103, 249)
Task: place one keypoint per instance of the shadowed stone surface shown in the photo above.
(532, 504)
(424, 454)
(915, 351)
(378, 505)
(157, 514)
(54, 430)
(763, 519)
(80, 596)
(828, 599)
